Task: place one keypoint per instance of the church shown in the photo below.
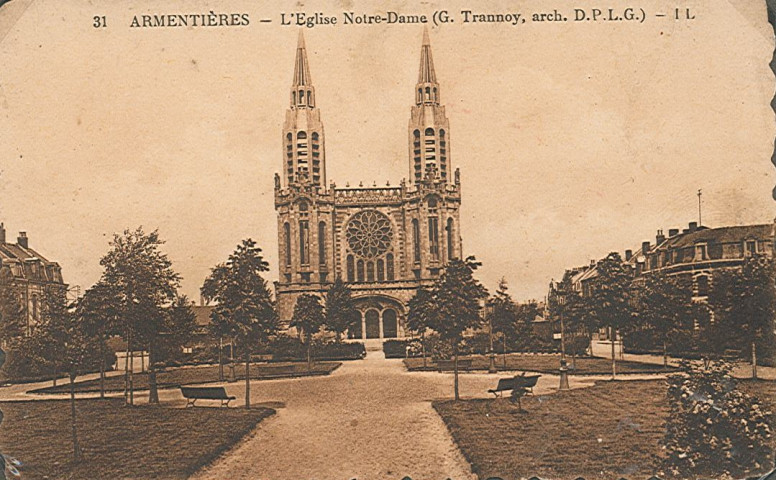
(384, 241)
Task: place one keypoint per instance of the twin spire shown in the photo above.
(303, 93)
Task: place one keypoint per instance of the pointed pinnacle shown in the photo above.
(426, 41)
(300, 42)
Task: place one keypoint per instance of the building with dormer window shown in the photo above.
(35, 277)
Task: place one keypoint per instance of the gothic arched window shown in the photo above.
(304, 234)
(433, 228)
(351, 269)
(702, 285)
(450, 244)
(287, 242)
(416, 240)
(322, 243)
(370, 271)
(380, 270)
(360, 271)
(389, 265)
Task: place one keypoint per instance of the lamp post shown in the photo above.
(561, 301)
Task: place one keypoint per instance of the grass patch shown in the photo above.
(120, 442)
(174, 377)
(610, 430)
(549, 364)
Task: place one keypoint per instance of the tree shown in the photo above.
(663, 306)
(503, 316)
(144, 283)
(69, 339)
(179, 325)
(245, 309)
(341, 313)
(745, 302)
(525, 314)
(96, 310)
(308, 318)
(457, 296)
(607, 303)
(12, 323)
(420, 316)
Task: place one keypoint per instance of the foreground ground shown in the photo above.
(119, 442)
(544, 363)
(608, 431)
(174, 377)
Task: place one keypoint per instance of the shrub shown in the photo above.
(27, 362)
(395, 348)
(287, 348)
(713, 428)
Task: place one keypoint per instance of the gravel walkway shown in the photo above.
(370, 419)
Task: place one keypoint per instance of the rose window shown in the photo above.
(369, 234)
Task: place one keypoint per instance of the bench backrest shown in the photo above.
(505, 384)
(212, 393)
(526, 381)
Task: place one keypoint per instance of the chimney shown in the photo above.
(693, 226)
(628, 255)
(644, 248)
(22, 240)
(2, 233)
(660, 237)
(673, 232)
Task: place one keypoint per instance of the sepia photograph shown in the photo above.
(363, 239)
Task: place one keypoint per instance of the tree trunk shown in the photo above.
(309, 352)
(220, 359)
(574, 360)
(247, 377)
(612, 337)
(131, 377)
(142, 361)
(455, 371)
(126, 373)
(76, 447)
(665, 355)
(504, 352)
(754, 360)
(338, 337)
(153, 391)
(423, 348)
(102, 372)
(56, 373)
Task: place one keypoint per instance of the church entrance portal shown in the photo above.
(372, 320)
(390, 324)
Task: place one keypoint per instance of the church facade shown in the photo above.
(384, 241)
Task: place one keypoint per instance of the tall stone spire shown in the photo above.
(429, 140)
(304, 156)
(426, 73)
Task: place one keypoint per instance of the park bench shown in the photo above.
(192, 394)
(732, 355)
(263, 357)
(449, 365)
(526, 382)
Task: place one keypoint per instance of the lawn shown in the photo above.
(120, 442)
(607, 431)
(174, 377)
(549, 364)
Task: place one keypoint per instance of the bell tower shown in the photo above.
(303, 141)
(429, 135)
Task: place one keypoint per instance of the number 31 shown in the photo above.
(99, 22)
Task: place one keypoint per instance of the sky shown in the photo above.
(574, 139)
